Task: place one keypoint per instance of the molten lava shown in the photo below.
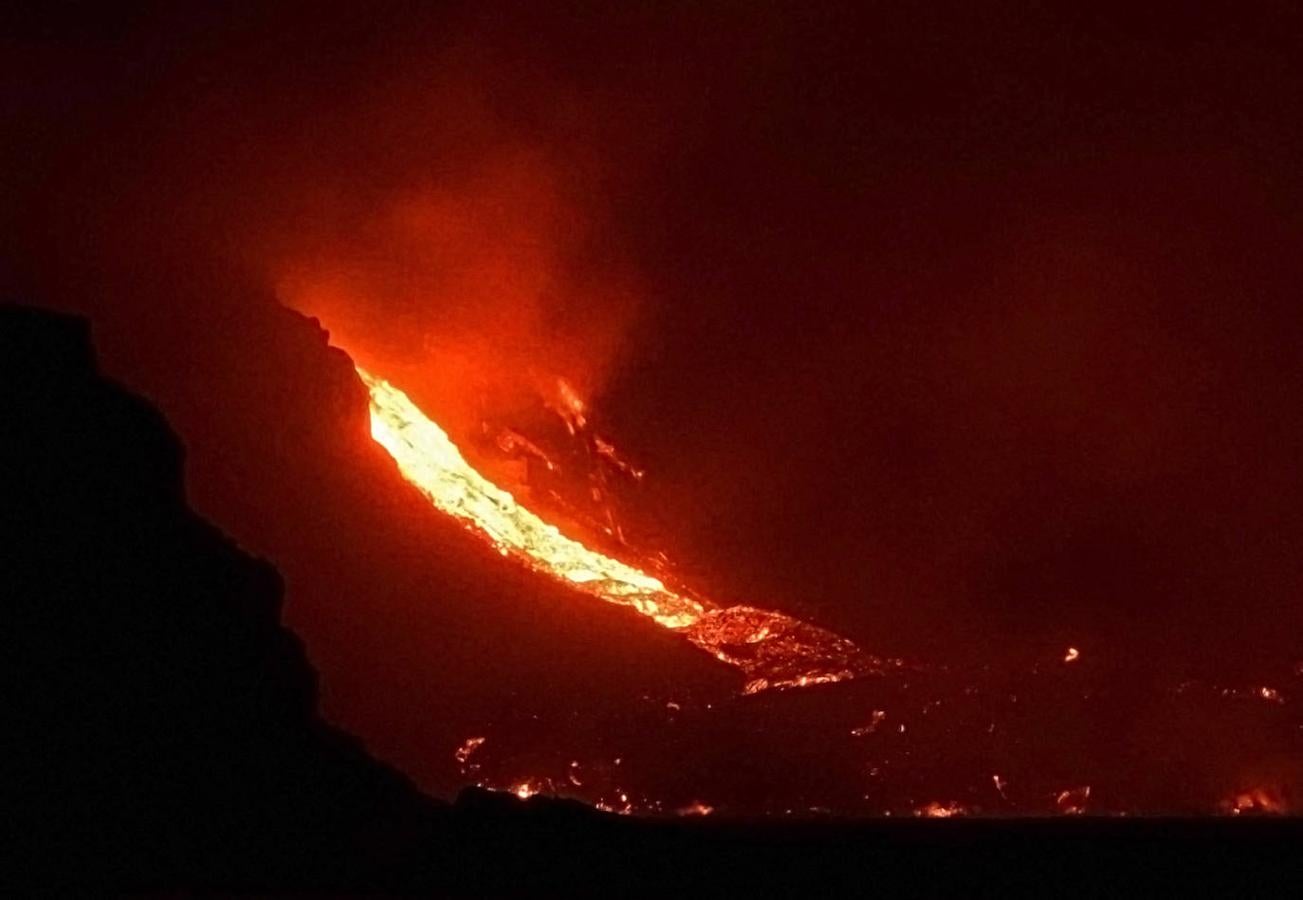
(772, 649)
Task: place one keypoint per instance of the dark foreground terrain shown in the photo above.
(163, 731)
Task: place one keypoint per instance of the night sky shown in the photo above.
(969, 333)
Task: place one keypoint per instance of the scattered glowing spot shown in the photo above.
(874, 721)
(1264, 692)
(935, 810)
(625, 808)
(570, 405)
(696, 809)
(1072, 655)
(1072, 802)
(468, 746)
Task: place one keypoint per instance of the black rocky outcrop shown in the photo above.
(166, 726)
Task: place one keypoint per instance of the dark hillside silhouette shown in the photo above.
(166, 721)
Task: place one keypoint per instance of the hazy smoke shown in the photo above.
(454, 235)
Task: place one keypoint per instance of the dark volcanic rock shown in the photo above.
(166, 721)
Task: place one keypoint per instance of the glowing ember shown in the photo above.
(607, 451)
(524, 790)
(1072, 802)
(1072, 655)
(874, 721)
(936, 810)
(570, 406)
(696, 809)
(469, 746)
(773, 650)
(624, 807)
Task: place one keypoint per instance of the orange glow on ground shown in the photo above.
(1261, 800)
(524, 790)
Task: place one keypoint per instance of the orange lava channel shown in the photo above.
(774, 650)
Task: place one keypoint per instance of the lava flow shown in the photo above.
(773, 650)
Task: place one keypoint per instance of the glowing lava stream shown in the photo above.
(772, 649)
